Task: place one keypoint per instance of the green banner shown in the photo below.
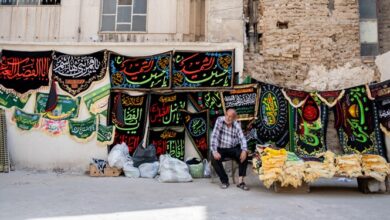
(97, 101)
(66, 108)
(105, 134)
(25, 121)
(82, 130)
(9, 100)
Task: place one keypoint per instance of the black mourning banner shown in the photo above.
(244, 99)
(197, 127)
(165, 109)
(150, 72)
(208, 101)
(194, 70)
(168, 141)
(76, 73)
(128, 114)
(24, 71)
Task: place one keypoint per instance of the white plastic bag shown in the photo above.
(149, 170)
(131, 171)
(173, 170)
(118, 156)
(206, 169)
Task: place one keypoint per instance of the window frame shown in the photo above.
(116, 15)
(369, 57)
(31, 5)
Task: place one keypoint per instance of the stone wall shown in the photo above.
(309, 45)
(384, 25)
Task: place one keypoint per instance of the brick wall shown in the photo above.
(384, 25)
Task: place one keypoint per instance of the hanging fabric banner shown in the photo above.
(357, 123)
(128, 114)
(76, 73)
(83, 130)
(208, 101)
(197, 127)
(150, 72)
(25, 121)
(168, 141)
(105, 134)
(97, 101)
(9, 100)
(66, 107)
(294, 97)
(380, 93)
(272, 125)
(54, 127)
(165, 109)
(244, 99)
(330, 98)
(309, 129)
(22, 72)
(195, 70)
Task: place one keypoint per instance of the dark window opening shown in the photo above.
(282, 25)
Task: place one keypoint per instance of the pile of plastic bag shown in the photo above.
(316, 169)
(173, 170)
(118, 156)
(375, 166)
(349, 165)
(272, 166)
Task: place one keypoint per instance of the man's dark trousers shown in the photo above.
(233, 153)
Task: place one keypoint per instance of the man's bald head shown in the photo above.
(230, 116)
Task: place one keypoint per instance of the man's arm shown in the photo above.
(242, 138)
(215, 135)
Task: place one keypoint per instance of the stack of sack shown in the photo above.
(349, 165)
(293, 171)
(375, 166)
(272, 166)
(144, 163)
(316, 169)
(173, 170)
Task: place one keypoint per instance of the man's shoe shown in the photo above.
(243, 186)
(224, 185)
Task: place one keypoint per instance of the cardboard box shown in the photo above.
(108, 171)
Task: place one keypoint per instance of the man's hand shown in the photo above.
(243, 156)
(216, 155)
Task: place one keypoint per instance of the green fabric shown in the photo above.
(66, 108)
(9, 100)
(82, 129)
(97, 101)
(26, 121)
(105, 134)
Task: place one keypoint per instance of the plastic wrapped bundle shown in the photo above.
(293, 171)
(272, 166)
(315, 169)
(349, 165)
(375, 166)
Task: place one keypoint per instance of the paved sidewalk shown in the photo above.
(47, 196)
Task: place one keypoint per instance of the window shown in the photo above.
(368, 28)
(123, 15)
(30, 2)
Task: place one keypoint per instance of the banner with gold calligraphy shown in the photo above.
(150, 72)
(128, 114)
(66, 107)
(165, 109)
(197, 126)
(76, 73)
(195, 70)
(168, 141)
(357, 123)
(23, 72)
(272, 125)
(84, 130)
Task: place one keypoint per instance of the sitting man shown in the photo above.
(228, 141)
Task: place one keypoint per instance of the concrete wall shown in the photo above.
(36, 150)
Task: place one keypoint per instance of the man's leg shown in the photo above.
(218, 167)
(241, 166)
